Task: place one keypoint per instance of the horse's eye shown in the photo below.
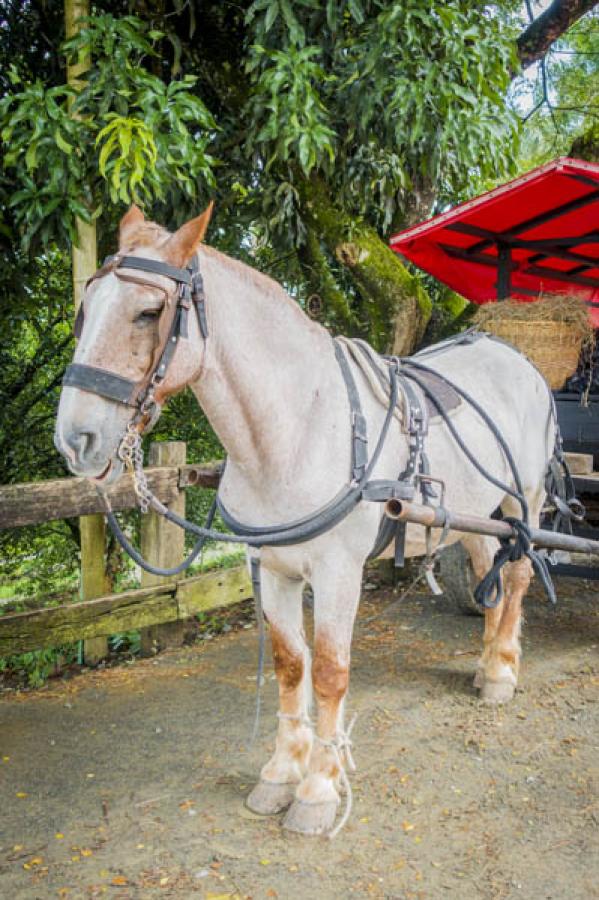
(148, 315)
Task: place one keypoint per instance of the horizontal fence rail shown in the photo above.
(51, 627)
(161, 608)
(63, 498)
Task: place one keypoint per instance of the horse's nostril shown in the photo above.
(82, 443)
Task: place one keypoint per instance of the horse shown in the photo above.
(269, 382)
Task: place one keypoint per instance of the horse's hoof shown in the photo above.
(496, 692)
(269, 798)
(311, 818)
(479, 679)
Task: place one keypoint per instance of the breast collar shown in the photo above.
(173, 325)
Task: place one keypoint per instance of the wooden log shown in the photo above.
(51, 627)
(43, 501)
(62, 498)
(163, 544)
(435, 517)
(213, 590)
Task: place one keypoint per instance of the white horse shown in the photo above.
(270, 385)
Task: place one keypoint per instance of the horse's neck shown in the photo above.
(266, 365)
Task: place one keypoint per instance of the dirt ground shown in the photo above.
(130, 783)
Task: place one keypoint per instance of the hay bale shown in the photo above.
(550, 331)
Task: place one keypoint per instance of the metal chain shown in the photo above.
(130, 452)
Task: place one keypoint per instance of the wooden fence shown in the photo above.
(162, 607)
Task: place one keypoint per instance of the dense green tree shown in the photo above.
(320, 127)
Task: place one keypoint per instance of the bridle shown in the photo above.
(173, 325)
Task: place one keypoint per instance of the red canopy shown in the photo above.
(536, 234)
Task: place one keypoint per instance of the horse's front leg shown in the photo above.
(282, 603)
(336, 594)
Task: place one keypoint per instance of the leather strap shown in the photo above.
(156, 267)
(99, 381)
(359, 429)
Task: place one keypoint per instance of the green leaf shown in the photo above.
(62, 143)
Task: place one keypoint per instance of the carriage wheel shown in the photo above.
(457, 580)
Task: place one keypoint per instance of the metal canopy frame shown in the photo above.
(506, 241)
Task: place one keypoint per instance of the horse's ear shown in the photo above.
(183, 244)
(130, 223)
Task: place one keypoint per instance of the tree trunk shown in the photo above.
(92, 528)
(395, 305)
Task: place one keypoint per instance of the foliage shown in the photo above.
(382, 98)
(72, 152)
(37, 665)
(561, 101)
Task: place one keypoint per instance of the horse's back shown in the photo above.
(510, 390)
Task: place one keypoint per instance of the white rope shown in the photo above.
(342, 743)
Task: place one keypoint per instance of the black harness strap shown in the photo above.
(99, 381)
(359, 434)
(155, 267)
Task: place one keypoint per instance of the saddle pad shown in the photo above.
(375, 368)
(446, 397)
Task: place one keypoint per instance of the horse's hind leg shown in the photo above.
(499, 665)
(282, 602)
(482, 552)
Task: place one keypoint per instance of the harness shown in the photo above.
(408, 378)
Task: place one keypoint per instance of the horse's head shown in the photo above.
(128, 316)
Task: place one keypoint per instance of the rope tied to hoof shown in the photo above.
(512, 549)
(342, 743)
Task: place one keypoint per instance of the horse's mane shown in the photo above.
(252, 277)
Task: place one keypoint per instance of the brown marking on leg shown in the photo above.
(289, 668)
(288, 662)
(330, 677)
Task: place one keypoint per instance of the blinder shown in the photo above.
(123, 390)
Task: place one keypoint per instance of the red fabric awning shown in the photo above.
(544, 225)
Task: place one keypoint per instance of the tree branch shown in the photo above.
(534, 42)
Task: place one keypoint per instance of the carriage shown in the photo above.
(533, 236)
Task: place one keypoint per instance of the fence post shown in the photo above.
(93, 579)
(163, 544)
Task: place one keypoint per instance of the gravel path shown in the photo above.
(129, 783)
